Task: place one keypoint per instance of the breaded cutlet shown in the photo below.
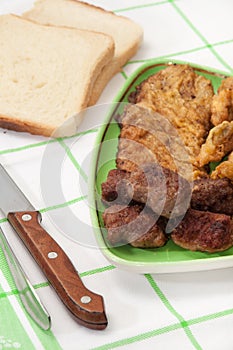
(184, 98)
(218, 143)
(224, 169)
(172, 133)
(222, 105)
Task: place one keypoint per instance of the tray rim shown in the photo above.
(146, 267)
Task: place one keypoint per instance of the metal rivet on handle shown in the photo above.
(26, 217)
(85, 299)
(52, 255)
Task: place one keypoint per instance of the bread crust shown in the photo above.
(38, 13)
(24, 126)
(108, 72)
(63, 126)
(98, 8)
(116, 64)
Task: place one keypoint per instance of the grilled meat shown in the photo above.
(113, 188)
(133, 225)
(161, 189)
(213, 195)
(204, 231)
(166, 131)
(222, 105)
(147, 187)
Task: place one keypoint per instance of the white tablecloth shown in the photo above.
(192, 310)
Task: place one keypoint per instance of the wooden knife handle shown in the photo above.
(86, 306)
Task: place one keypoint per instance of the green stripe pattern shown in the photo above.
(12, 328)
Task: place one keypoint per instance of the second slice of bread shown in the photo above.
(46, 75)
(127, 34)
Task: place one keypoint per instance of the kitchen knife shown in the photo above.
(86, 306)
(27, 294)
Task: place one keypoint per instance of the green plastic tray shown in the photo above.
(169, 258)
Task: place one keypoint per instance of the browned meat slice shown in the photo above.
(184, 98)
(161, 189)
(133, 225)
(222, 105)
(112, 187)
(204, 231)
(213, 195)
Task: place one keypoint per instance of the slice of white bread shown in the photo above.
(46, 74)
(127, 35)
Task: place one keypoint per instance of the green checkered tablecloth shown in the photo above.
(191, 310)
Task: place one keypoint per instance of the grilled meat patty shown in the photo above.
(133, 225)
(204, 231)
(207, 226)
(213, 195)
(207, 194)
(113, 188)
(161, 189)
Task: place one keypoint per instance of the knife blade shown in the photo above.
(86, 306)
(27, 294)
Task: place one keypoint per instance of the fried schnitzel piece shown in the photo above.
(224, 169)
(204, 231)
(230, 157)
(133, 225)
(222, 105)
(218, 143)
(184, 98)
(148, 137)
